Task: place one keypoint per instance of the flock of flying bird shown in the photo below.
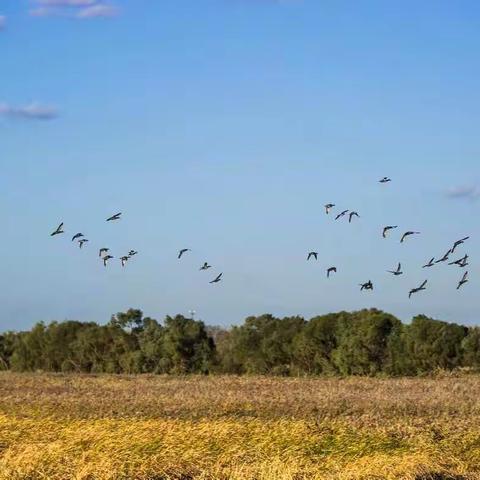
(105, 256)
(461, 262)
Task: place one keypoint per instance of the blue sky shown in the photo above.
(225, 126)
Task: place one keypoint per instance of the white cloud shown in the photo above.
(32, 111)
(467, 192)
(3, 21)
(42, 12)
(98, 10)
(66, 3)
(80, 9)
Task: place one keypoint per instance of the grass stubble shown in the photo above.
(63, 427)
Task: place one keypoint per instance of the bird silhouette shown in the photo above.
(445, 257)
(114, 217)
(331, 270)
(312, 254)
(366, 286)
(407, 234)
(385, 180)
(458, 243)
(102, 251)
(58, 231)
(398, 271)
(461, 262)
(418, 289)
(181, 252)
(352, 214)
(106, 259)
(431, 263)
(387, 229)
(341, 214)
(328, 207)
(124, 260)
(205, 266)
(82, 242)
(217, 279)
(77, 235)
(132, 253)
(463, 281)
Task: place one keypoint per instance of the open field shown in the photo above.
(147, 427)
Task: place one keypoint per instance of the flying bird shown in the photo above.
(385, 180)
(217, 279)
(431, 263)
(366, 286)
(331, 270)
(312, 254)
(82, 241)
(398, 271)
(461, 262)
(387, 229)
(124, 260)
(58, 231)
(341, 214)
(106, 259)
(416, 290)
(114, 217)
(445, 257)
(181, 252)
(77, 235)
(328, 207)
(463, 281)
(407, 234)
(352, 214)
(132, 253)
(102, 251)
(205, 266)
(458, 243)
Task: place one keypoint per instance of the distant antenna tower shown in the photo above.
(192, 314)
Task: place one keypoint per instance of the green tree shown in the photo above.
(187, 346)
(363, 342)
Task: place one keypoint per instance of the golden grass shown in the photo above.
(148, 427)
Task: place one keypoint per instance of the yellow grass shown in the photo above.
(146, 427)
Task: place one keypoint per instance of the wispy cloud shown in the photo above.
(32, 111)
(80, 9)
(42, 12)
(3, 22)
(99, 10)
(66, 3)
(465, 192)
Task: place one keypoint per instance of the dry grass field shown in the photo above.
(150, 427)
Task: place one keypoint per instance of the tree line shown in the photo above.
(367, 342)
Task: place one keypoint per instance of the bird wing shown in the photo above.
(59, 228)
(423, 284)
